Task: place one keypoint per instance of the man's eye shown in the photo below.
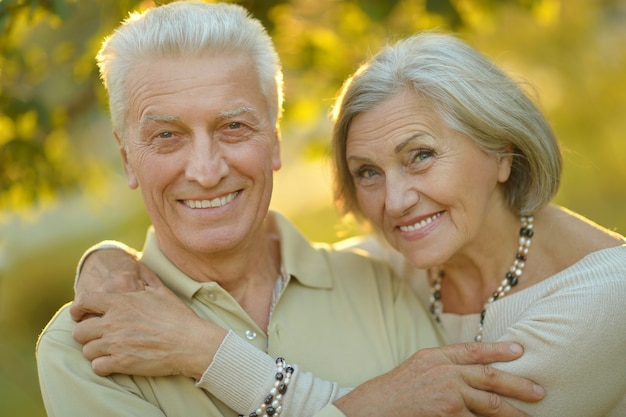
(235, 125)
(165, 135)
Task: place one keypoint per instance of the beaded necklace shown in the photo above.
(511, 279)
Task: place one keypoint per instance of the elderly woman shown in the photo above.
(450, 162)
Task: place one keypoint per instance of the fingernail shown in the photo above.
(539, 390)
(515, 348)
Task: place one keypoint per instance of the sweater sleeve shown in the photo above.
(574, 337)
(241, 376)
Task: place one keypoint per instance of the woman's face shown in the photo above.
(428, 188)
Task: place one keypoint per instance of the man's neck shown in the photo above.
(248, 274)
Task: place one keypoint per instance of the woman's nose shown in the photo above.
(401, 194)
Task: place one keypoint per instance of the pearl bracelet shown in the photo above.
(273, 404)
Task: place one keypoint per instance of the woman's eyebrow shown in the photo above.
(399, 147)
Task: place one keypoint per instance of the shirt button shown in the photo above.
(211, 296)
(250, 334)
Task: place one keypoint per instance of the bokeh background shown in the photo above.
(62, 187)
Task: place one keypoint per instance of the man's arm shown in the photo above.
(70, 388)
(121, 341)
(447, 381)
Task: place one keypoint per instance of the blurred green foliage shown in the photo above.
(61, 187)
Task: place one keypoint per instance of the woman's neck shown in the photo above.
(474, 273)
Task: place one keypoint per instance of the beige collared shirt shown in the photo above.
(343, 317)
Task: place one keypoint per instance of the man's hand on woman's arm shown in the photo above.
(454, 380)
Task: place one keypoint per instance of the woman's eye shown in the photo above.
(422, 155)
(369, 173)
(366, 173)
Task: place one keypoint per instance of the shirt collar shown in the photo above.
(304, 261)
(300, 259)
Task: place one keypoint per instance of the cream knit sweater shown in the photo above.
(572, 326)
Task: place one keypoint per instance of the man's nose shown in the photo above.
(206, 164)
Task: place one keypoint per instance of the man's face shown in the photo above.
(202, 148)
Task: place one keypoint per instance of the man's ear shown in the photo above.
(131, 178)
(276, 161)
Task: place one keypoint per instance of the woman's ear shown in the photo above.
(505, 163)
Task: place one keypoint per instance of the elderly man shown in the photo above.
(195, 94)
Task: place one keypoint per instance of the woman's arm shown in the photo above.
(572, 327)
(574, 334)
(237, 373)
(123, 341)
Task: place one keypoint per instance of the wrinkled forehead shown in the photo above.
(401, 111)
(222, 84)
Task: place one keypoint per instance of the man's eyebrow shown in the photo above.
(157, 118)
(173, 119)
(234, 112)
